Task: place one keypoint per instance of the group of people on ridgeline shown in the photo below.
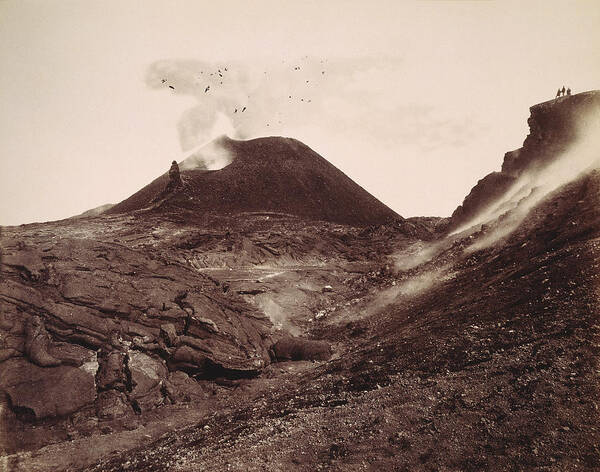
(562, 92)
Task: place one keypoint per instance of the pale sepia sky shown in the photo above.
(418, 101)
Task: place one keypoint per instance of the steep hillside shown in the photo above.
(266, 174)
(553, 128)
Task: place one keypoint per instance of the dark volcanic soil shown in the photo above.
(267, 174)
(473, 360)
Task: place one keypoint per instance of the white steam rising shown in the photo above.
(505, 214)
(531, 188)
(212, 155)
(276, 313)
(506, 202)
(408, 288)
(417, 254)
(422, 282)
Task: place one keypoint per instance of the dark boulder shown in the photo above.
(182, 388)
(147, 377)
(168, 334)
(112, 404)
(298, 349)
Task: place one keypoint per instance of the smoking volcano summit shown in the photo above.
(254, 309)
(266, 174)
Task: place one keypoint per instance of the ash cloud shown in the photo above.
(255, 99)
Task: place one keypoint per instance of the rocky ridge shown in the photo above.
(553, 127)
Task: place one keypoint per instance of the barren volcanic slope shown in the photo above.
(484, 360)
(266, 174)
(160, 340)
(479, 353)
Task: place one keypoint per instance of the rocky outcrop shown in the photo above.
(93, 326)
(553, 127)
(37, 342)
(112, 373)
(173, 184)
(174, 175)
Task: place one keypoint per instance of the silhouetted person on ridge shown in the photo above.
(563, 90)
(557, 93)
(568, 91)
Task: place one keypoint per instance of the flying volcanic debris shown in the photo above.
(248, 84)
